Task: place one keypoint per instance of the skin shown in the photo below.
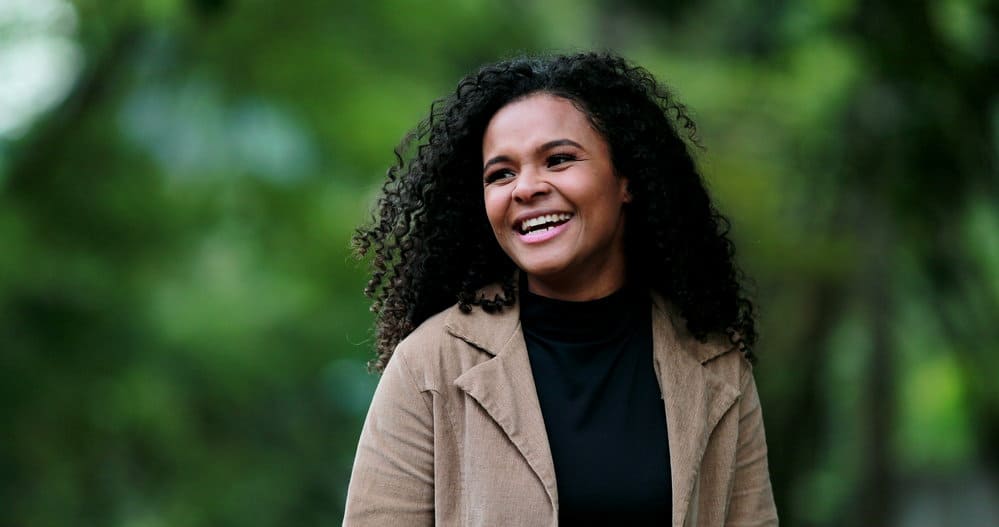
(542, 156)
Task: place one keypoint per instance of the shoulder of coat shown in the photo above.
(718, 353)
(724, 358)
(434, 355)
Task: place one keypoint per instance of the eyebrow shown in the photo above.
(547, 146)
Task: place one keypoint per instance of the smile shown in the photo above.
(542, 228)
(542, 223)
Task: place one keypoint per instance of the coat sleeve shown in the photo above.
(392, 481)
(751, 502)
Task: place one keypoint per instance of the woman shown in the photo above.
(561, 331)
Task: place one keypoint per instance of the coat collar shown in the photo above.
(504, 385)
(695, 398)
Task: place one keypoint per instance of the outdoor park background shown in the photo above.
(183, 336)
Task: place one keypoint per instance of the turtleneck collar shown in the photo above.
(603, 318)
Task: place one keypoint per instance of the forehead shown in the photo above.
(536, 119)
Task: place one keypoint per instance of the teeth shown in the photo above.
(548, 218)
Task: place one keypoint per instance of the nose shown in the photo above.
(529, 185)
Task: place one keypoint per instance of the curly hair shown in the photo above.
(431, 241)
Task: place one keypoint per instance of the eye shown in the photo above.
(558, 159)
(497, 175)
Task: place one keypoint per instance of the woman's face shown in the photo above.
(553, 199)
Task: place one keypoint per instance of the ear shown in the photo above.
(625, 191)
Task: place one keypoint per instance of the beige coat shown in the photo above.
(455, 436)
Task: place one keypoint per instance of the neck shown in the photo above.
(591, 292)
(574, 291)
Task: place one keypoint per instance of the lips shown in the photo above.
(539, 222)
(541, 228)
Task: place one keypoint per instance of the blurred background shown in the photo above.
(183, 336)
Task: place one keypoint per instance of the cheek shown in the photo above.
(495, 209)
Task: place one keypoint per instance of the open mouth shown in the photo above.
(542, 223)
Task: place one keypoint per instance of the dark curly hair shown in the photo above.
(431, 241)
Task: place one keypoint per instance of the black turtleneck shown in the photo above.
(602, 407)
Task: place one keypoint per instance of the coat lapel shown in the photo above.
(695, 400)
(504, 385)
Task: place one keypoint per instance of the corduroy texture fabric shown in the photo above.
(455, 436)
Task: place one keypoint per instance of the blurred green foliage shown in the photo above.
(182, 330)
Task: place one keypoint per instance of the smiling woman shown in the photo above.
(561, 331)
